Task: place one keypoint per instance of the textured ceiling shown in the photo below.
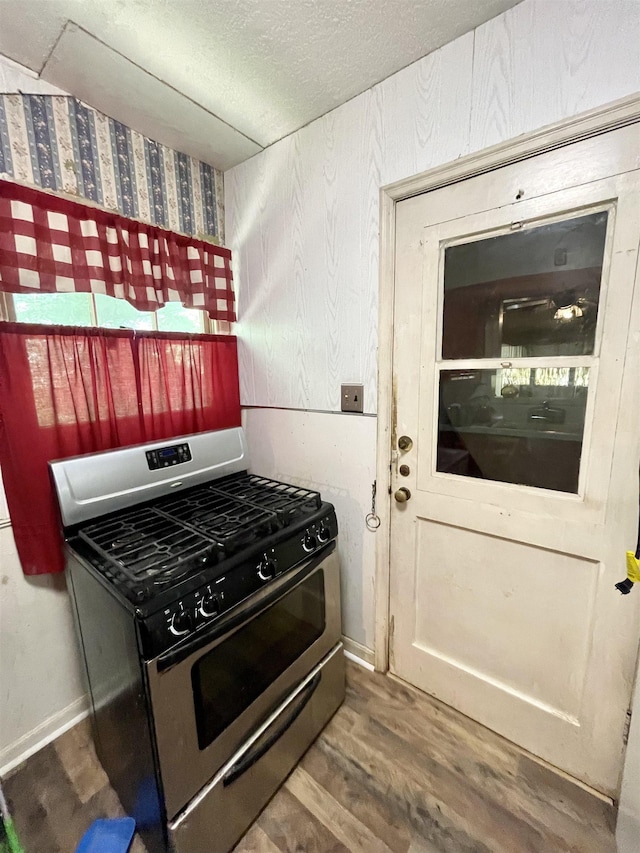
(237, 74)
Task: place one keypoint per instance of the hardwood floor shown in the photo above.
(393, 771)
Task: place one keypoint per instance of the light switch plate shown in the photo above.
(352, 398)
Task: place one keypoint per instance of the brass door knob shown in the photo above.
(402, 495)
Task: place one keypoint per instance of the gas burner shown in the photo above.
(286, 501)
(153, 547)
(228, 521)
(143, 549)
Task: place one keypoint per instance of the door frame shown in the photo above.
(612, 116)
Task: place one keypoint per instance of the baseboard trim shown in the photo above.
(57, 724)
(358, 653)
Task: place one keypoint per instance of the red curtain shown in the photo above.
(50, 244)
(66, 391)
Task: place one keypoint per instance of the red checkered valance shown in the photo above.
(50, 244)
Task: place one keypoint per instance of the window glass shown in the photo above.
(513, 425)
(530, 293)
(57, 309)
(174, 317)
(231, 676)
(75, 309)
(118, 313)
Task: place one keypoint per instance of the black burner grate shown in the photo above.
(230, 522)
(153, 545)
(145, 544)
(288, 502)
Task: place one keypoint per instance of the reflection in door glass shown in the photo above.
(517, 425)
(530, 293)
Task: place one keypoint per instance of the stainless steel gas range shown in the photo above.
(207, 603)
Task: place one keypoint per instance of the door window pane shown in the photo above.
(513, 425)
(530, 293)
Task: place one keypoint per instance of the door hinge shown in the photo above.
(627, 727)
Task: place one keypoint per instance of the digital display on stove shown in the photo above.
(163, 457)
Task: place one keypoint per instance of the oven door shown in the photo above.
(209, 692)
(225, 808)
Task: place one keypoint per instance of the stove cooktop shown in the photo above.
(148, 549)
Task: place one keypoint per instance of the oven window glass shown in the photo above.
(232, 675)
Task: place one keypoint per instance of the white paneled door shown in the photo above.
(516, 449)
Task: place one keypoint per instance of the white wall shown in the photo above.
(41, 688)
(302, 221)
(316, 450)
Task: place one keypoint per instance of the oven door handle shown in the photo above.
(254, 754)
(226, 624)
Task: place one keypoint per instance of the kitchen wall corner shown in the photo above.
(335, 455)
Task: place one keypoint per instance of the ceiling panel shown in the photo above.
(112, 84)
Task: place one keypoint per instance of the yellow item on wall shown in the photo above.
(633, 567)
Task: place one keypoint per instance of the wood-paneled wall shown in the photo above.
(335, 455)
(303, 217)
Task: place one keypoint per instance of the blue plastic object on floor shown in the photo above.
(108, 835)
(146, 809)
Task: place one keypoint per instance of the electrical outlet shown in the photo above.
(352, 398)
(560, 257)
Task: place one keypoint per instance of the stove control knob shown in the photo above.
(323, 533)
(181, 623)
(209, 605)
(267, 569)
(309, 542)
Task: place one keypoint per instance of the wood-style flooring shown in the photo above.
(393, 771)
